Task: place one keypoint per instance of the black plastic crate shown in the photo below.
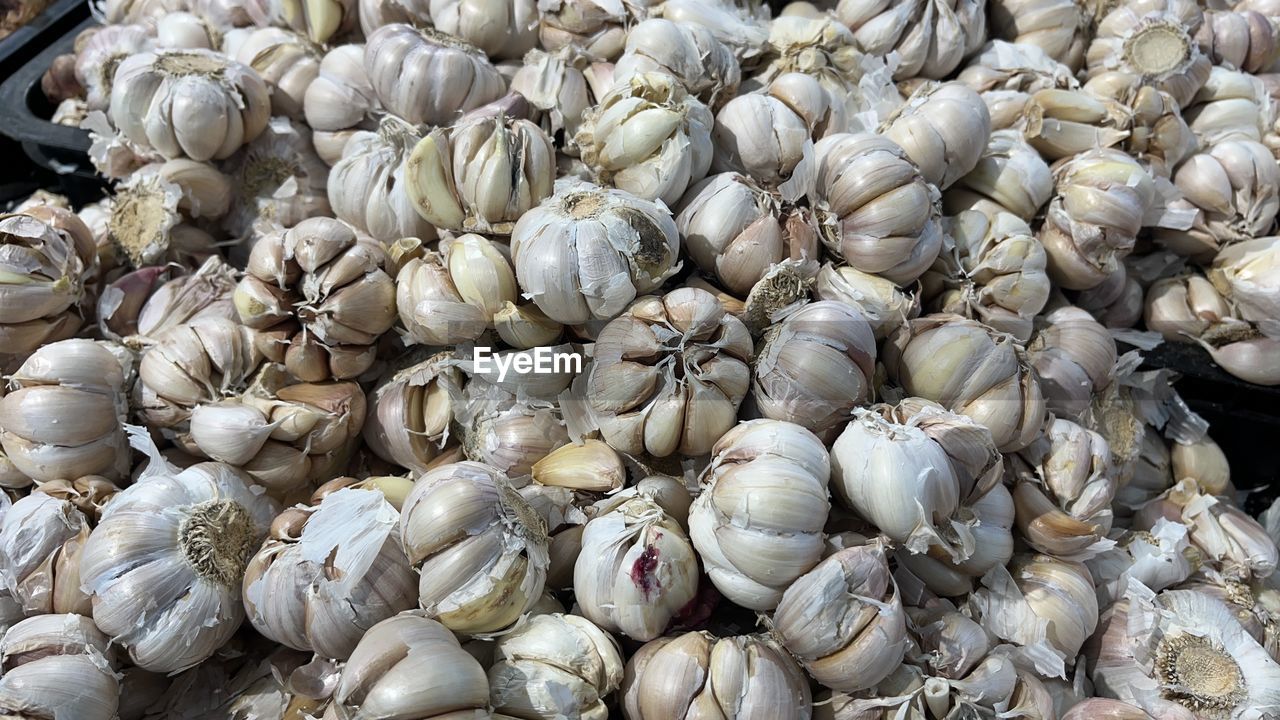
(25, 42)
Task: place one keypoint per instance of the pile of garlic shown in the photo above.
(659, 359)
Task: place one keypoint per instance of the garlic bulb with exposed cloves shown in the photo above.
(327, 572)
(556, 86)
(1074, 357)
(1248, 275)
(943, 128)
(328, 279)
(996, 272)
(368, 186)
(278, 178)
(43, 537)
(1059, 27)
(597, 28)
(637, 570)
(690, 675)
(400, 60)
(760, 136)
(885, 305)
(174, 600)
(1158, 135)
(288, 64)
(188, 103)
(1060, 123)
(757, 525)
(1152, 39)
(153, 209)
(62, 417)
(553, 666)
(1231, 106)
(60, 667)
(1100, 199)
(669, 375)
(1234, 544)
(410, 413)
(338, 101)
(992, 519)
(931, 38)
(981, 373)
(512, 425)
(100, 56)
(1010, 176)
(47, 260)
(815, 366)
(1182, 308)
(667, 131)
(480, 175)
(479, 547)
(843, 620)
(410, 666)
(882, 214)
(1063, 488)
(586, 252)
(1182, 653)
(689, 52)
(319, 20)
(1006, 75)
(1232, 188)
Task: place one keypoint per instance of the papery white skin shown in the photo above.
(59, 667)
(367, 187)
(931, 38)
(555, 664)
(101, 55)
(424, 76)
(38, 555)
(505, 29)
(1158, 558)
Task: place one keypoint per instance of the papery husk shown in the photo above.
(58, 666)
(1158, 558)
(279, 179)
(555, 664)
(1074, 357)
(99, 56)
(690, 52)
(1231, 542)
(884, 304)
(203, 361)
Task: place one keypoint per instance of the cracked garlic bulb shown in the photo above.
(1074, 357)
(1061, 123)
(513, 425)
(586, 252)
(339, 101)
(843, 620)
(1059, 27)
(669, 375)
(883, 303)
(691, 675)
(368, 187)
(188, 103)
(328, 279)
(48, 259)
(60, 667)
(410, 412)
(943, 128)
(762, 137)
(1231, 542)
(454, 298)
(1006, 75)
(328, 571)
(1009, 177)
(401, 60)
(980, 373)
(278, 178)
(596, 28)
(174, 599)
(1232, 188)
(100, 55)
(757, 525)
(286, 61)
(881, 214)
(1158, 135)
(62, 417)
(480, 174)
(931, 38)
(637, 571)
(555, 666)
(689, 52)
(480, 549)
(505, 29)
(1182, 653)
(1152, 39)
(667, 131)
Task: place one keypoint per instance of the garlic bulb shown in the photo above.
(882, 303)
(327, 572)
(586, 252)
(188, 103)
(284, 435)
(669, 131)
(480, 549)
(1010, 177)
(843, 620)
(556, 86)
(637, 570)
(505, 29)
(943, 128)
(695, 674)
(1181, 653)
(736, 231)
(1231, 186)
(175, 600)
(1099, 202)
(1204, 462)
(1241, 40)
(998, 268)
(815, 366)
(410, 666)
(60, 667)
(1234, 544)
(777, 471)
(760, 136)
(47, 258)
(410, 412)
(431, 307)
(555, 665)
(982, 374)
(689, 52)
(62, 416)
(330, 280)
(669, 375)
(338, 100)
(278, 178)
(1074, 357)
(1063, 488)
(1117, 302)
(1046, 605)
(100, 56)
(1059, 27)
(1158, 134)
(1006, 75)
(1152, 39)
(1246, 275)
(43, 537)
(368, 186)
(1182, 308)
(882, 214)
(1230, 106)
(154, 210)
(319, 20)
(1159, 558)
(480, 175)
(597, 28)
(400, 60)
(930, 38)
(1060, 123)
(287, 63)
(512, 428)
(992, 516)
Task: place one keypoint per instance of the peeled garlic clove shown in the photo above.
(1204, 462)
